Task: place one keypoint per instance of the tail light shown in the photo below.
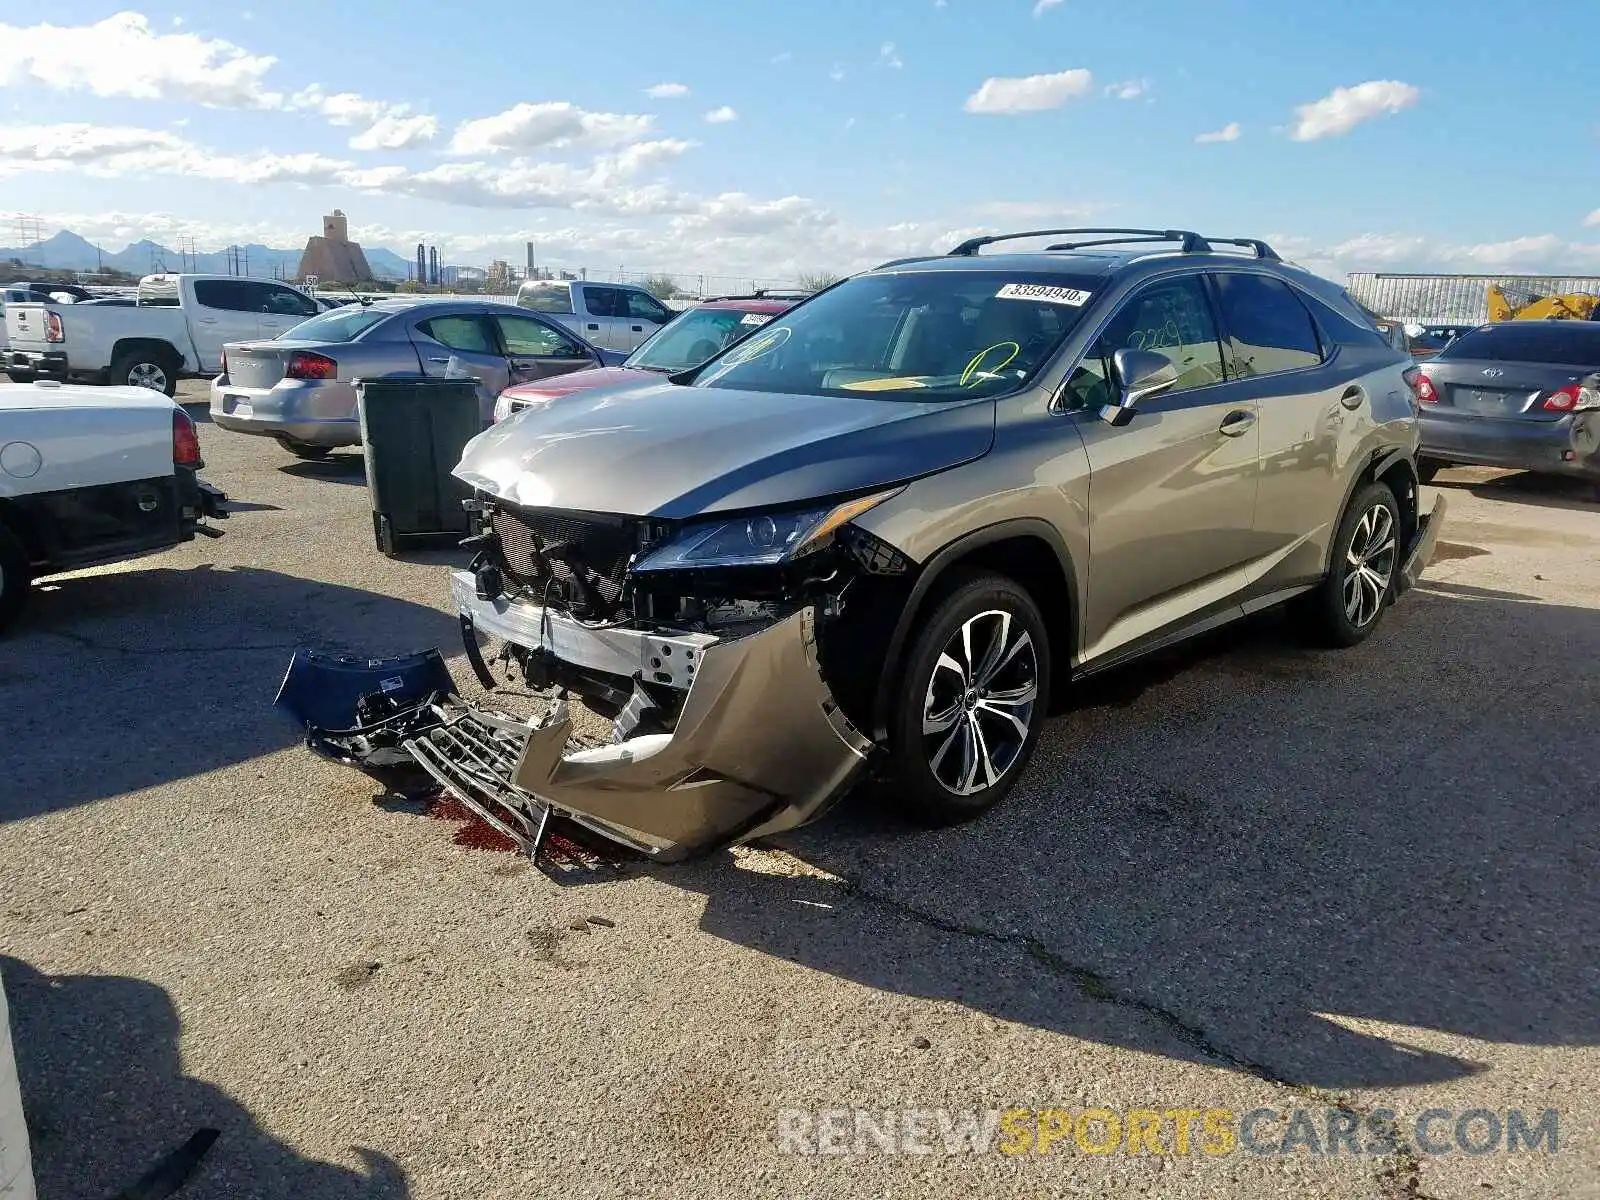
(1564, 399)
(305, 365)
(52, 328)
(502, 407)
(224, 360)
(185, 440)
(1424, 388)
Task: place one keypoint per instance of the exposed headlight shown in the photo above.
(760, 540)
(502, 407)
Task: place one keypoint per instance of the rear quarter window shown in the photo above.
(1573, 343)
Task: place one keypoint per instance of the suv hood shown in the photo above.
(664, 450)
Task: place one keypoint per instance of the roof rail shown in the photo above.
(1189, 241)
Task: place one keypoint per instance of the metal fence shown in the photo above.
(1455, 299)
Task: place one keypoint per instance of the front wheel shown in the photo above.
(1346, 606)
(969, 706)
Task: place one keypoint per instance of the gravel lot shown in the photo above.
(1246, 875)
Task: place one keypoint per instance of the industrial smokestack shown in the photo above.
(433, 264)
(530, 260)
(422, 263)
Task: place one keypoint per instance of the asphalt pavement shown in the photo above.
(1245, 876)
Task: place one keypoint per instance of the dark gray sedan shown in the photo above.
(1515, 394)
(299, 388)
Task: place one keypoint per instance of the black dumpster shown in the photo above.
(413, 430)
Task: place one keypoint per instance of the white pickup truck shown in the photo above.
(176, 329)
(93, 475)
(613, 316)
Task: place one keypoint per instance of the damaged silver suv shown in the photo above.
(883, 529)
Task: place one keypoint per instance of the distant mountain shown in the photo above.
(66, 251)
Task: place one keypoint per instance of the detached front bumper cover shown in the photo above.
(1423, 543)
(759, 747)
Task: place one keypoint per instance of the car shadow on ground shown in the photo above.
(338, 467)
(1248, 853)
(115, 682)
(1526, 487)
(106, 1098)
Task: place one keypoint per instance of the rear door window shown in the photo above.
(469, 334)
(229, 295)
(1571, 343)
(605, 302)
(1268, 328)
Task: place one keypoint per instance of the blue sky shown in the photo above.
(1362, 134)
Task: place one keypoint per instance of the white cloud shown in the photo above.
(80, 143)
(1593, 218)
(1228, 133)
(837, 74)
(396, 132)
(552, 124)
(1031, 93)
(122, 56)
(1342, 109)
(721, 116)
(1128, 89)
(782, 56)
(888, 56)
(1043, 6)
(667, 91)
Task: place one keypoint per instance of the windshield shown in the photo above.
(337, 324)
(1573, 343)
(924, 335)
(691, 338)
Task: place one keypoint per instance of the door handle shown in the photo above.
(438, 358)
(638, 328)
(592, 328)
(1236, 423)
(1353, 396)
(208, 320)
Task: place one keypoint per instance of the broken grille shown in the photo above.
(579, 558)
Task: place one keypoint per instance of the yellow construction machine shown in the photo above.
(1569, 306)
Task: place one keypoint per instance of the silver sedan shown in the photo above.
(299, 388)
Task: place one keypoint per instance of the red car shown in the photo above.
(687, 340)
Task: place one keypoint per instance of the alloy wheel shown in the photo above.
(1369, 565)
(148, 375)
(980, 701)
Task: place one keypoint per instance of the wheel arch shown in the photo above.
(1027, 550)
(159, 348)
(1394, 468)
(15, 520)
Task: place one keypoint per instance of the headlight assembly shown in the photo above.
(756, 540)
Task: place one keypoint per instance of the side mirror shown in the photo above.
(1140, 374)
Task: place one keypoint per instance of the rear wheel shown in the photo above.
(15, 576)
(146, 369)
(969, 705)
(1349, 602)
(305, 450)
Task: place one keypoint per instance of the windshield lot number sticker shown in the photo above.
(1040, 291)
(754, 319)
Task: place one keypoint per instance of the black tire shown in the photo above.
(21, 376)
(16, 576)
(305, 450)
(145, 368)
(1340, 612)
(1427, 468)
(928, 770)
